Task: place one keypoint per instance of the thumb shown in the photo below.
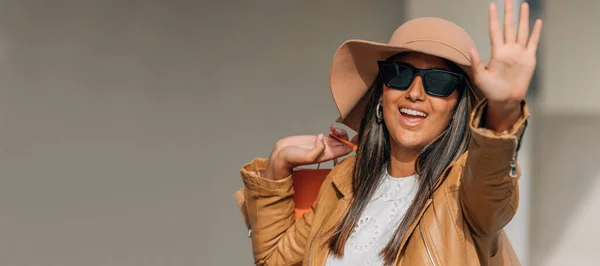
(318, 149)
(477, 65)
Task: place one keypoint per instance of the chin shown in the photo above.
(409, 140)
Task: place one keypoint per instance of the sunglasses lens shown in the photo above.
(440, 83)
(397, 76)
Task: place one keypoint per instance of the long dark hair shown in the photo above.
(373, 155)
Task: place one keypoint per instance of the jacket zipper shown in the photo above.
(513, 161)
(426, 248)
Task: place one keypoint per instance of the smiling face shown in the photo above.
(413, 117)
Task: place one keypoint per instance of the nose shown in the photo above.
(416, 92)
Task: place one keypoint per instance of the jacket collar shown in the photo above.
(342, 176)
(447, 170)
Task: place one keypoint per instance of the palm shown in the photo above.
(508, 74)
(298, 150)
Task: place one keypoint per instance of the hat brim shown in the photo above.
(354, 69)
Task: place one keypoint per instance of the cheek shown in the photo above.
(443, 107)
(389, 99)
(390, 96)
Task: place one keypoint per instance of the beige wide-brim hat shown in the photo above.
(354, 67)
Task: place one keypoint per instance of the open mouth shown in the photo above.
(412, 117)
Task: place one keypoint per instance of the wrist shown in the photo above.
(505, 107)
(502, 115)
(277, 168)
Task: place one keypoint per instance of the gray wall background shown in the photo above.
(567, 184)
(125, 123)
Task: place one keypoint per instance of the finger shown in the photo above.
(495, 34)
(509, 22)
(355, 139)
(477, 65)
(333, 143)
(534, 39)
(335, 150)
(523, 25)
(317, 150)
(339, 132)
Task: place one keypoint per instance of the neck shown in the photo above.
(402, 160)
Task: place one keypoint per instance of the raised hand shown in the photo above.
(506, 78)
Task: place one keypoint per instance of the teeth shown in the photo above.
(412, 112)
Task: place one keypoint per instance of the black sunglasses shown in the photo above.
(437, 82)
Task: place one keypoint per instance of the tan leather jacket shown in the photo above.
(460, 225)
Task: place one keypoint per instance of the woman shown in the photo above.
(434, 179)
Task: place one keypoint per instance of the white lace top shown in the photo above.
(378, 222)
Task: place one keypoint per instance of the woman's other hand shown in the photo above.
(295, 151)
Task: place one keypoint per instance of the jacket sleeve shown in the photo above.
(489, 190)
(278, 238)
